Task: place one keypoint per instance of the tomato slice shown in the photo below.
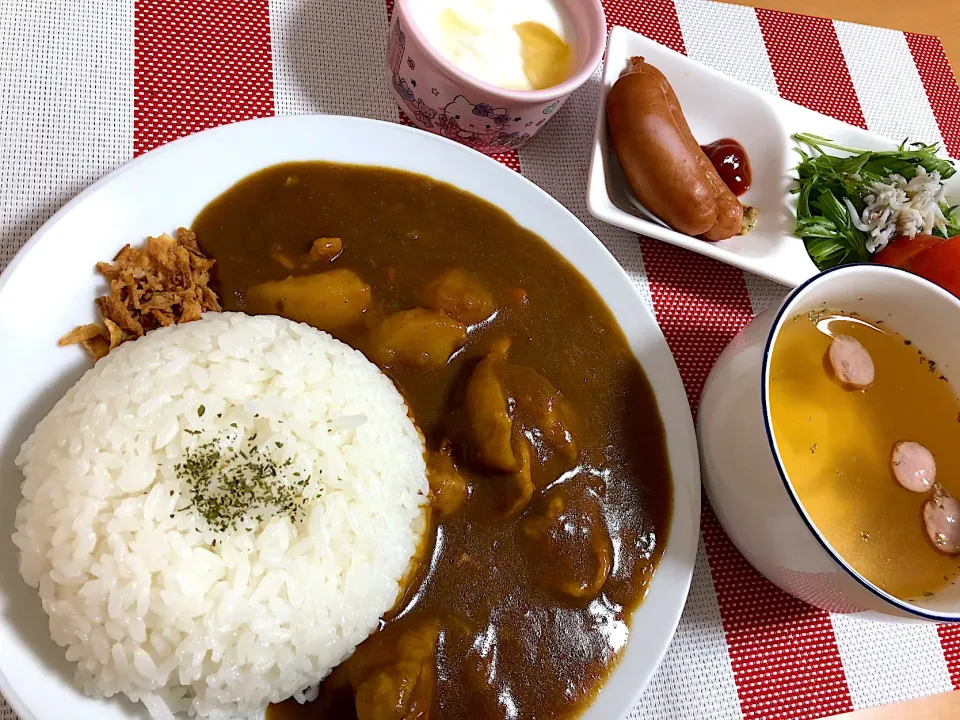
(940, 264)
(901, 251)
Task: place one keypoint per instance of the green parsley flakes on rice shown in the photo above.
(218, 513)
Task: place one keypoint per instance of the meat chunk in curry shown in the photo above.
(491, 427)
(328, 300)
(393, 674)
(515, 418)
(568, 542)
(460, 295)
(419, 338)
(502, 400)
(519, 487)
(448, 489)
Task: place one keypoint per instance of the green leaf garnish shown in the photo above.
(824, 181)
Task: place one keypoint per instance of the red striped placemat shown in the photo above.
(101, 81)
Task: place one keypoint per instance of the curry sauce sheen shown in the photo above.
(518, 609)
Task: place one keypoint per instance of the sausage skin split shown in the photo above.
(668, 171)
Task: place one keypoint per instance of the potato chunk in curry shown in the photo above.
(325, 249)
(420, 338)
(460, 295)
(328, 300)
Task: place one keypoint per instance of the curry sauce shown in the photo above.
(521, 605)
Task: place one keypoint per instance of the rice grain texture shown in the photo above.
(152, 602)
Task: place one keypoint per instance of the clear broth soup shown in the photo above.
(836, 446)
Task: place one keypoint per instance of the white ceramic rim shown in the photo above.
(783, 314)
(685, 486)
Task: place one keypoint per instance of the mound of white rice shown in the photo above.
(147, 597)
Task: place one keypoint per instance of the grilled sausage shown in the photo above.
(651, 156)
(665, 174)
(729, 210)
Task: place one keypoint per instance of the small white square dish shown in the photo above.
(718, 106)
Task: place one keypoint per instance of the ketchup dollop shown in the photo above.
(731, 162)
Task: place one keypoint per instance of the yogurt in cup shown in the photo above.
(445, 56)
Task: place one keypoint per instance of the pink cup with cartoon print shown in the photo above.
(438, 97)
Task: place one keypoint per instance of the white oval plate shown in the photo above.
(50, 287)
(718, 106)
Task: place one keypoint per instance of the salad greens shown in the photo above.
(825, 181)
